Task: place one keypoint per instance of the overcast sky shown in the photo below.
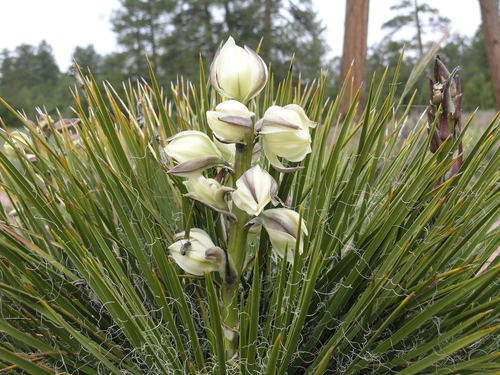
(65, 24)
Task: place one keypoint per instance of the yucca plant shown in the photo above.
(146, 246)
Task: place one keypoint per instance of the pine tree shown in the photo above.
(140, 26)
(88, 58)
(298, 31)
(178, 31)
(420, 17)
(29, 78)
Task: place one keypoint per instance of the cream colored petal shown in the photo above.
(231, 121)
(228, 150)
(281, 243)
(289, 145)
(207, 191)
(222, 130)
(234, 108)
(190, 256)
(197, 234)
(189, 145)
(258, 72)
(264, 184)
(192, 265)
(232, 70)
(243, 199)
(282, 227)
(302, 114)
(236, 72)
(254, 189)
(280, 117)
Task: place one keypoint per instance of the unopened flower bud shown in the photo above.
(441, 73)
(194, 151)
(238, 73)
(445, 94)
(255, 189)
(286, 134)
(446, 103)
(231, 121)
(282, 226)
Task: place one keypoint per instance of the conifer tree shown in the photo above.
(176, 32)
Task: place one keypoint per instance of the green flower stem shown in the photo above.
(237, 244)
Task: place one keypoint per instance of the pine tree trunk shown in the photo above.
(491, 29)
(419, 31)
(266, 48)
(355, 45)
(228, 16)
(211, 46)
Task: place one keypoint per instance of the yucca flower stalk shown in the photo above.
(241, 73)
(445, 110)
(349, 259)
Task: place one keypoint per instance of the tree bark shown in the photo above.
(266, 47)
(211, 46)
(491, 29)
(228, 17)
(419, 31)
(354, 50)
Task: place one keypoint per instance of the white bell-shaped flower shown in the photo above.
(285, 131)
(254, 190)
(194, 151)
(208, 192)
(231, 121)
(282, 226)
(197, 254)
(237, 73)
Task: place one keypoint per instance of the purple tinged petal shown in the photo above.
(248, 180)
(215, 254)
(237, 121)
(277, 222)
(441, 73)
(213, 69)
(274, 193)
(261, 80)
(282, 122)
(194, 165)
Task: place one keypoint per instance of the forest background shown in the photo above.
(173, 32)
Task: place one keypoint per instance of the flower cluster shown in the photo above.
(445, 108)
(445, 93)
(239, 74)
